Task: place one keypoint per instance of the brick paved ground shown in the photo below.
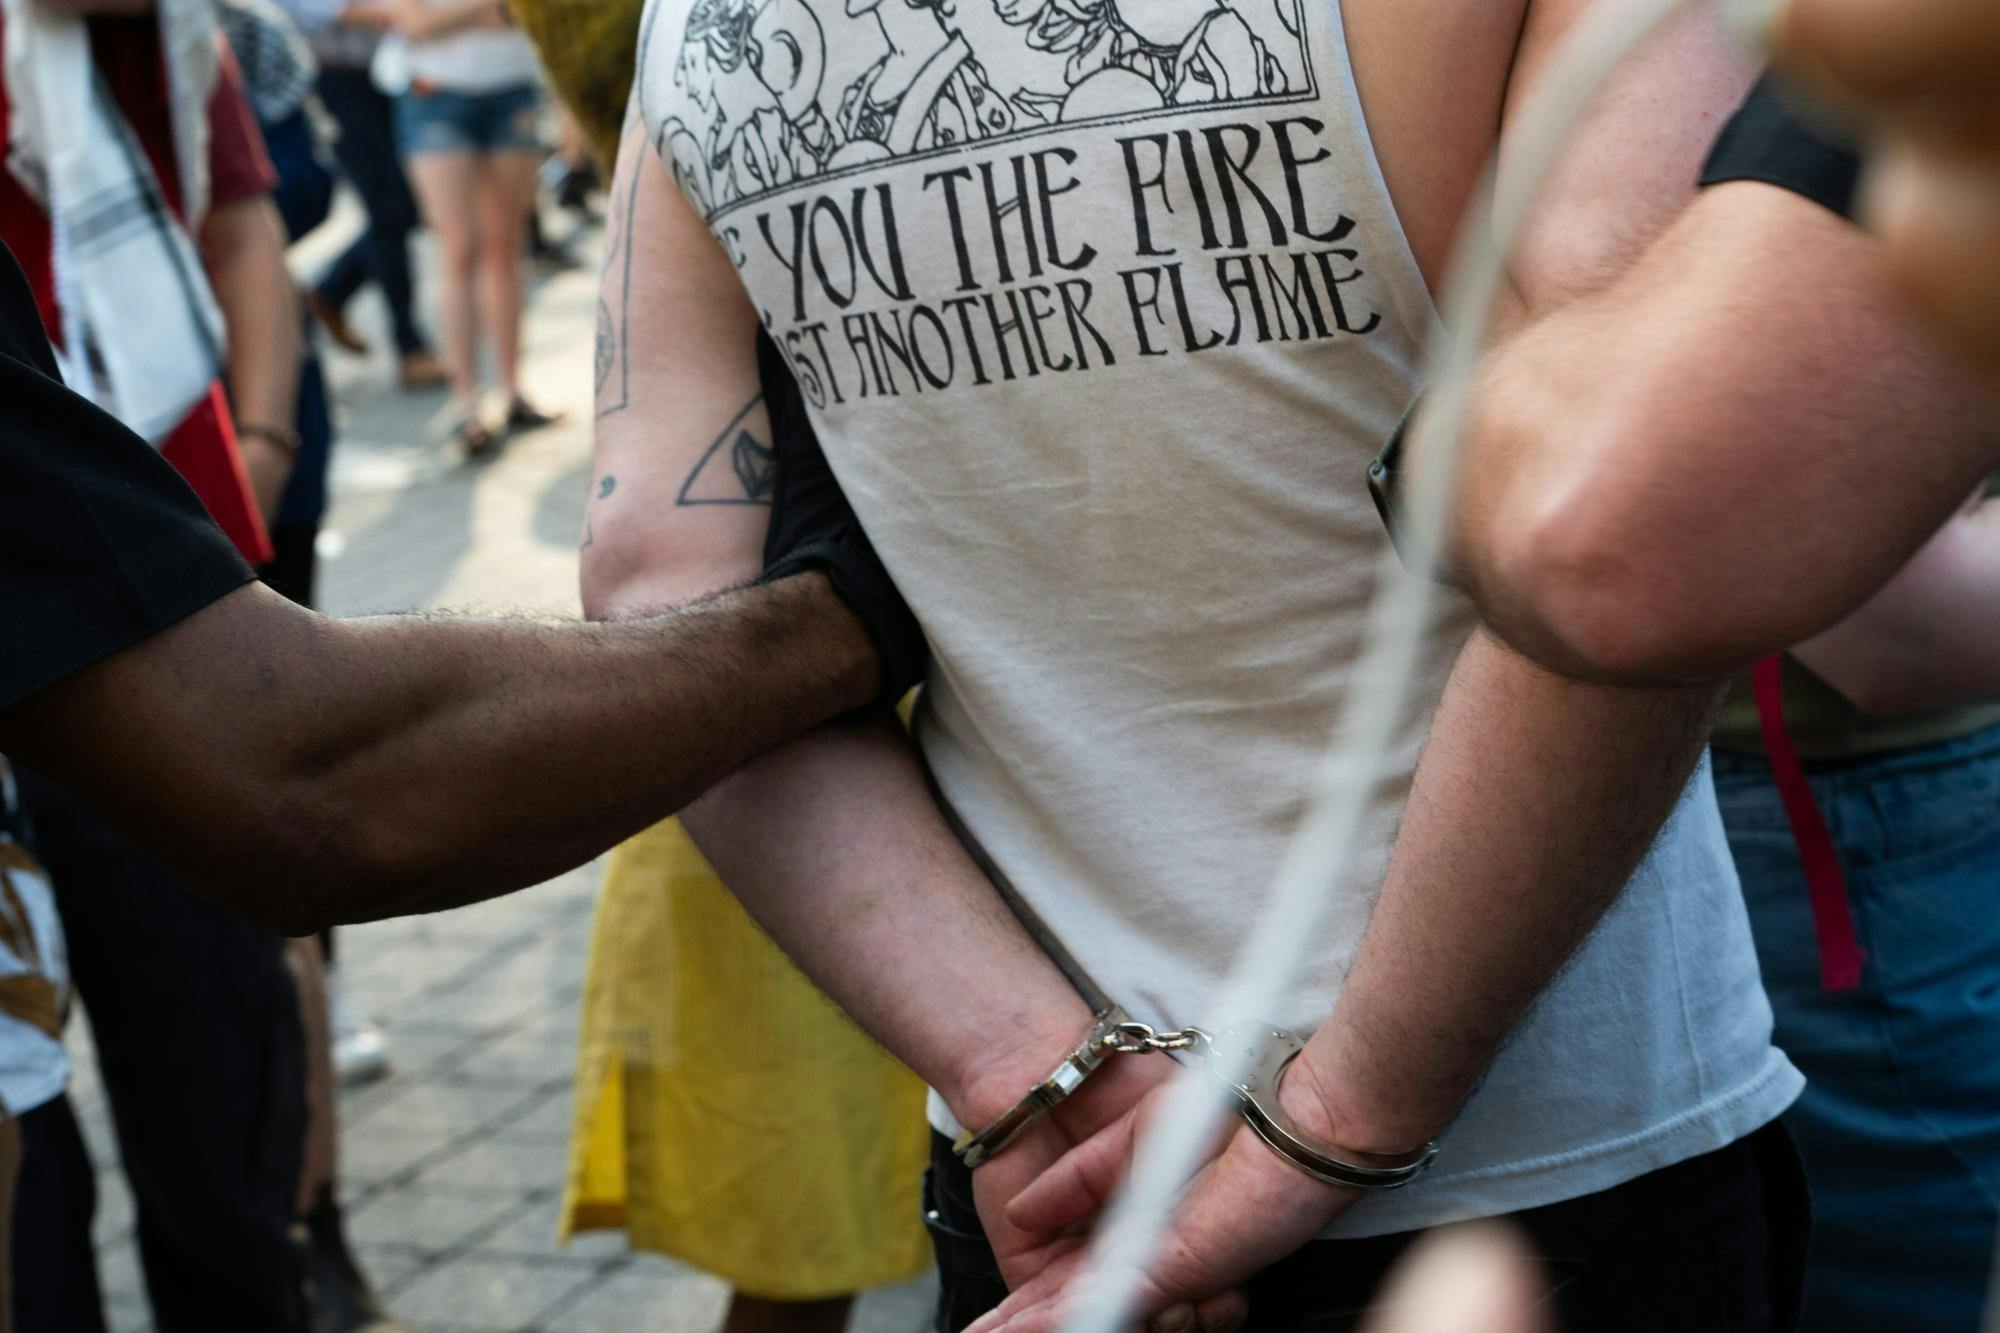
(452, 1166)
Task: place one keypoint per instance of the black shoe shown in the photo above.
(334, 321)
(341, 1298)
(552, 254)
(524, 416)
(475, 439)
(576, 185)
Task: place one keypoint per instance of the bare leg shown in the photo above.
(505, 187)
(570, 143)
(342, 1297)
(445, 184)
(317, 1162)
(10, 1173)
(752, 1314)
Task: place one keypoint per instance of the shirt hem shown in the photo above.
(1512, 1187)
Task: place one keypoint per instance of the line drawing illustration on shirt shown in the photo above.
(766, 103)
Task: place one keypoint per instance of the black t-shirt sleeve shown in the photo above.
(101, 542)
(1772, 139)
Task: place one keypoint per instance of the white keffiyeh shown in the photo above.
(141, 333)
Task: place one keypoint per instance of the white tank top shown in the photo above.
(1102, 309)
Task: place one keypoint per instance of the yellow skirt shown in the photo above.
(727, 1113)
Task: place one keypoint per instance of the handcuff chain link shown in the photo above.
(1132, 1038)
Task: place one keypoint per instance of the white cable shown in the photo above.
(1322, 846)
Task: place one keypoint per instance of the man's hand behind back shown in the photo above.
(1243, 1212)
(1027, 1250)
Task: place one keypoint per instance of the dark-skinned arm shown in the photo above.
(306, 771)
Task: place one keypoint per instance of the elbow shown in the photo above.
(270, 883)
(375, 856)
(1556, 530)
(629, 570)
(601, 580)
(321, 858)
(1590, 580)
(1577, 606)
(1606, 550)
(249, 887)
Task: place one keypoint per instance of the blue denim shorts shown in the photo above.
(1899, 1124)
(438, 121)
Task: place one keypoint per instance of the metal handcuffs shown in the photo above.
(1269, 1051)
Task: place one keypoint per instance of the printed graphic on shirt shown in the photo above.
(770, 104)
(928, 195)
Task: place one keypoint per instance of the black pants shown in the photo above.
(199, 1042)
(55, 1268)
(294, 568)
(1715, 1244)
(366, 151)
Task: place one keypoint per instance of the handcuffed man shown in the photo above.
(1102, 383)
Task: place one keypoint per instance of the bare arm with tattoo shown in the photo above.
(833, 842)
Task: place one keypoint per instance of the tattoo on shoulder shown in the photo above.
(737, 468)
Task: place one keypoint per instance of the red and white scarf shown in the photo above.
(141, 334)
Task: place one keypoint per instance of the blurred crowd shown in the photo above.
(248, 117)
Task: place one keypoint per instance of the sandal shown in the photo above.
(475, 439)
(334, 321)
(521, 415)
(421, 370)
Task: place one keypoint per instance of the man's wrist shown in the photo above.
(1329, 1101)
(282, 438)
(995, 1073)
